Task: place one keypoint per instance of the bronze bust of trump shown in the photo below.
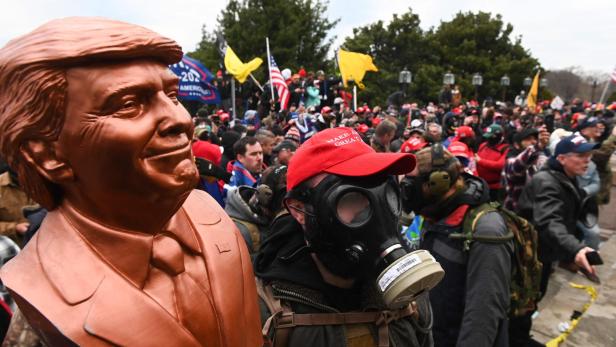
(129, 253)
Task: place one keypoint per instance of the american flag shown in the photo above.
(280, 85)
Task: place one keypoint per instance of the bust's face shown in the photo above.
(125, 135)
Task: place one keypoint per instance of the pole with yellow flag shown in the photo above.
(531, 100)
(353, 67)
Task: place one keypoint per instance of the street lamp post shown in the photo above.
(405, 78)
(527, 82)
(449, 79)
(543, 83)
(477, 82)
(504, 82)
(592, 95)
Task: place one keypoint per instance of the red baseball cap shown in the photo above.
(458, 149)
(341, 151)
(362, 128)
(376, 121)
(413, 145)
(208, 151)
(464, 131)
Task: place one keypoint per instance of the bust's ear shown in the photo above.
(43, 157)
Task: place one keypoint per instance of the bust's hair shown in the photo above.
(33, 84)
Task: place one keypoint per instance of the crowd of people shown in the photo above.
(317, 189)
(127, 221)
(547, 166)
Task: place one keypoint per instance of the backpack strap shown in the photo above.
(470, 224)
(281, 336)
(283, 319)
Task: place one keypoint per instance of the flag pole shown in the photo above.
(269, 69)
(256, 82)
(233, 98)
(607, 86)
(354, 96)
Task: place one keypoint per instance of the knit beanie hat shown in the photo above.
(293, 134)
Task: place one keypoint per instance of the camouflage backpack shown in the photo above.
(526, 268)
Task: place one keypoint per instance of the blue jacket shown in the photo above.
(242, 177)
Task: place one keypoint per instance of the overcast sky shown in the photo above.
(560, 33)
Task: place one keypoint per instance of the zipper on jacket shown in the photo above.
(292, 296)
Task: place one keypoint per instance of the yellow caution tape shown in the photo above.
(592, 292)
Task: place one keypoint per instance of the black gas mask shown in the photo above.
(352, 227)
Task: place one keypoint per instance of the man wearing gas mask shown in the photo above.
(470, 306)
(334, 271)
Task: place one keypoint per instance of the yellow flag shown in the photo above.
(353, 66)
(531, 100)
(234, 65)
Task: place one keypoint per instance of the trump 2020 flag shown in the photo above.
(195, 81)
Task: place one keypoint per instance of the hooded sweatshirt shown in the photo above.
(238, 209)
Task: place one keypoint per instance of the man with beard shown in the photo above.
(319, 268)
(470, 306)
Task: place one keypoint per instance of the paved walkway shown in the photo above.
(597, 326)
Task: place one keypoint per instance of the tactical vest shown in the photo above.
(277, 328)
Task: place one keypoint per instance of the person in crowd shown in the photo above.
(284, 152)
(245, 207)
(462, 146)
(434, 133)
(601, 157)
(523, 161)
(228, 139)
(311, 96)
(552, 202)
(470, 306)
(266, 139)
(293, 135)
(208, 158)
(248, 165)
(302, 267)
(297, 90)
(490, 159)
(13, 199)
(383, 135)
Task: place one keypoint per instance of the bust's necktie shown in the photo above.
(194, 307)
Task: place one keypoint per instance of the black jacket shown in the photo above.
(552, 202)
(284, 262)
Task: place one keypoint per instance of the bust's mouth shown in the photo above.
(182, 150)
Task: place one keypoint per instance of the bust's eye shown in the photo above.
(173, 95)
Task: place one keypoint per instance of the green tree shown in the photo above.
(481, 43)
(393, 47)
(470, 43)
(297, 30)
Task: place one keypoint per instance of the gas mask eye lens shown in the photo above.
(353, 208)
